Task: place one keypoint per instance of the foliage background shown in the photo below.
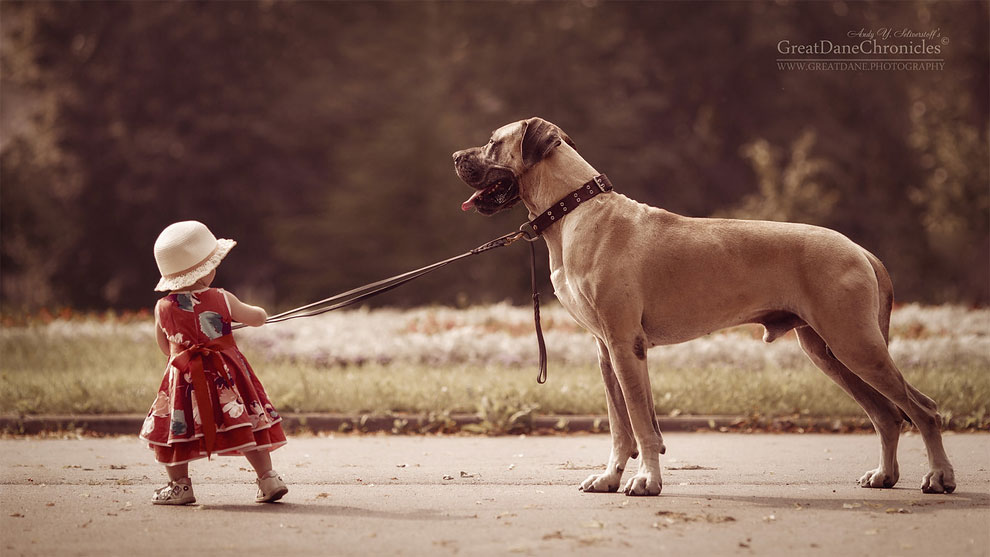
(318, 135)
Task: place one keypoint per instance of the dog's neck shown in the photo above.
(553, 178)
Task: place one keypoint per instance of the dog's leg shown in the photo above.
(628, 356)
(859, 341)
(864, 352)
(623, 443)
(884, 414)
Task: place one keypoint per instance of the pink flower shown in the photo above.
(160, 408)
(148, 427)
(235, 409)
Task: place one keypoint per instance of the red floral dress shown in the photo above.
(239, 417)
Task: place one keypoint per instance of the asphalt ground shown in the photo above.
(723, 494)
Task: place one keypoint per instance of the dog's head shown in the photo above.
(495, 169)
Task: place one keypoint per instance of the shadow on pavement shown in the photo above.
(909, 503)
(333, 510)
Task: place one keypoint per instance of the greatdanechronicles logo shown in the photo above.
(883, 49)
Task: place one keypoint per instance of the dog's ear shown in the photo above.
(540, 138)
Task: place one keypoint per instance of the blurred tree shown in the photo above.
(318, 135)
(792, 193)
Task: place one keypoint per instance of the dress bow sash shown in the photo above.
(192, 360)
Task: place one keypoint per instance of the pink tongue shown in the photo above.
(469, 204)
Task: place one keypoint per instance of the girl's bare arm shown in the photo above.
(163, 343)
(245, 313)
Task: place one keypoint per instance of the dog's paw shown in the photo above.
(878, 478)
(642, 484)
(939, 481)
(600, 483)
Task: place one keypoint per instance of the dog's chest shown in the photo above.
(572, 300)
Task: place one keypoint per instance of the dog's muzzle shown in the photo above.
(497, 186)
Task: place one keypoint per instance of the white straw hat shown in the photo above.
(186, 252)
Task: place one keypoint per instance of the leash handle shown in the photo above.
(541, 378)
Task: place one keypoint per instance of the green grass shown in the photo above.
(102, 374)
(93, 375)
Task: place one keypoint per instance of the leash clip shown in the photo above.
(528, 232)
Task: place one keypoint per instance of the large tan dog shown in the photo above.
(636, 276)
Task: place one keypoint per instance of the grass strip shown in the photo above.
(104, 374)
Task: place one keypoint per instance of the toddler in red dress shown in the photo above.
(210, 401)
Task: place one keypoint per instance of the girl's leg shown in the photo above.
(178, 491)
(261, 461)
(178, 471)
(271, 488)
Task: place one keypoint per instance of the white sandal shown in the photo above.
(177, 492)
(271, 488)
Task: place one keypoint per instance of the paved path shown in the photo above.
(723, 494)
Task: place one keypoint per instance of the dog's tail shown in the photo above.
(886, 301)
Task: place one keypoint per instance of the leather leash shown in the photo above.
(380, 287)
(530, 231)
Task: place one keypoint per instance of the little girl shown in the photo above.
(210, 400)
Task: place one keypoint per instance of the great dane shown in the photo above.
(636, 276)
